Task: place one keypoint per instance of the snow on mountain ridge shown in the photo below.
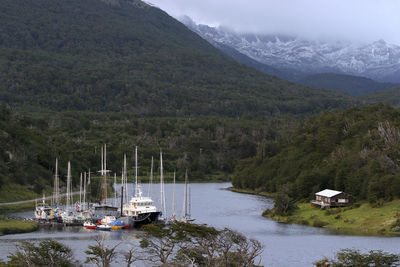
(378, 60)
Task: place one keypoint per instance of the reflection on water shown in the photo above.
(285, 244)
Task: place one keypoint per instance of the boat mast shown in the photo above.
(115, 189)
(173, 199)
(122, 193)
(185, 206)
(151, 176)
(103, 199)
(125, 177)
(105, 174)
(190, 201)
(102, 176)
(136, 175)
(84, 187)
(164, 212)
(80, 191)
(56, 193)
(68, 185)
(89, 190)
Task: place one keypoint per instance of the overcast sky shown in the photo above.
(359, 20)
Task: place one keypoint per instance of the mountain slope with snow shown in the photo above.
(378, 60)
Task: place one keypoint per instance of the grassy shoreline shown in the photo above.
(361, 219)
(13, 226)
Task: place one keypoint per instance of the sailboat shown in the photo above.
(173, 216)
(139, 210)
(103, 209)
(68, 216)
(163, 214)
(186, 216)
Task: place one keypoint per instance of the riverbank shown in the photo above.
(361, 219)
(13, 193)
(13, 226)
(251, 192)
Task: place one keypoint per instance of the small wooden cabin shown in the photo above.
(331, 198)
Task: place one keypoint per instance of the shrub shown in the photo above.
(319, 223)
(304, 222)
(47, 253)
(267, 212)
(350, 257)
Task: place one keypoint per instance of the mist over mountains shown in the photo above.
(378, 60)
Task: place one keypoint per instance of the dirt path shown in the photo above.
(34, 200)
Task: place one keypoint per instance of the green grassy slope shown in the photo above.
(362, 220)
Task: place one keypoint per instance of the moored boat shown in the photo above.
(89, 225)
(103, 227)
(140, 209)
(117, 225)
(43, 211)
(108, 219)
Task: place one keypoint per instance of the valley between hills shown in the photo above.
(75, 75)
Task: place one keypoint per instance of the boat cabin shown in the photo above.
(104, 210)
(139, 205)
(331, 198)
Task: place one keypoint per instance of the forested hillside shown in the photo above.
(354, 85)
(208, 147)
(25, 152)
(88, 72)
(356, 151)
(389, 96)
(126, 55)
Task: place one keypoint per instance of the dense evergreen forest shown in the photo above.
(354, 85)
(124, 55)
(24, 152)
(356, 151)
(389, 96)
(208, 147)
(77, 74)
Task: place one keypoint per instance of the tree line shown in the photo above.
(179, 245)
(355, 150)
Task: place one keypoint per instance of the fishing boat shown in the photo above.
(139, 210)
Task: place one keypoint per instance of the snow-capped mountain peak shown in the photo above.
(377, 60)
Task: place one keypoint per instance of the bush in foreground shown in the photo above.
(351, 257)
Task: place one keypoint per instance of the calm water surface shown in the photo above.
(285, 245)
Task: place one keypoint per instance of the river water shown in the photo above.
(212, 204)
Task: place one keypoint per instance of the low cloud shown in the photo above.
(357, 20)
